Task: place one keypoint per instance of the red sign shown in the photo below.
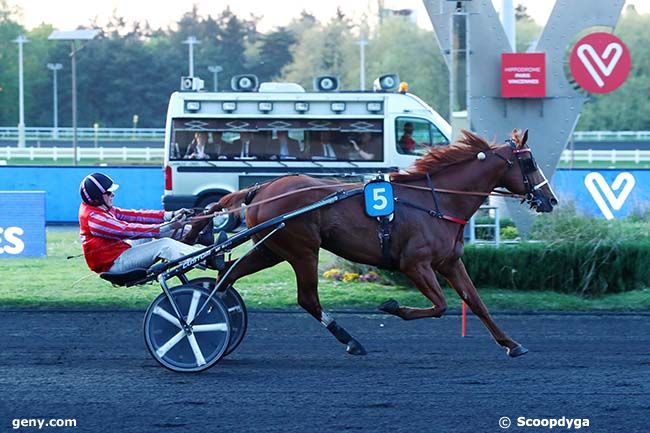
(523, 75)
(600, 62)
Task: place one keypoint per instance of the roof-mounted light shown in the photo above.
(338, 107)
(403, 87)
(301, 107)
(374, 107)
(228, 106)
(192, 106)
(265, 106)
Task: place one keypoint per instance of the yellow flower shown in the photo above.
(350, 276)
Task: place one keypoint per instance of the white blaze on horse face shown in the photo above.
(325, 319)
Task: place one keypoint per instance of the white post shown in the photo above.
(21, 40)
(215, 76)
(54, 67)
(507, 17)
(191, 41)
(362, 62)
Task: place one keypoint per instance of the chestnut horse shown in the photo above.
(433, 199)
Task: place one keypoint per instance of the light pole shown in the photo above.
(55, 67)
(362, 62)
(21, 40)
(73, 36)
(191, 41)
(215, 75)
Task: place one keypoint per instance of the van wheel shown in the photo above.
(226, 223)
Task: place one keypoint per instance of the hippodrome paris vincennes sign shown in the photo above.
(600, 62)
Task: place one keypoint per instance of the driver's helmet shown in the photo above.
(94, 186)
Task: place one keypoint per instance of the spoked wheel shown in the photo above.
(236, 311)
(196, 348)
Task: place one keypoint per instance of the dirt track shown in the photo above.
(291, 375)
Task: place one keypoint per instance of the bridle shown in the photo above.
(527, 166)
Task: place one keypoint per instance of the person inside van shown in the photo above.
(365, 147)
(324, 149)
(198, 148)
(284, 147)
(406, 142)
(119, 240)
(244, 146)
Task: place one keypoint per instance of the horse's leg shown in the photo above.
(424, 278)
(259, 259)
(306, 270)
(457, 276)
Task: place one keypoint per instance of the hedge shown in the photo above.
(585, 268)
(589, 269)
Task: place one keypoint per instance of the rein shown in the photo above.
(495, 193)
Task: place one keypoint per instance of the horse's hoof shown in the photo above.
(391, 307)
(517, 351)
(355, 348)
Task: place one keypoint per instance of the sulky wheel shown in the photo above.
(197, 348)
(236, 311)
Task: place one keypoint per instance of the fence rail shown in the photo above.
(149, 134)
(97, 153)
(155, 153)
(158, 134)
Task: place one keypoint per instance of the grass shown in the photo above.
(55, 282)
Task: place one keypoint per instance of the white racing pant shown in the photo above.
(145, 252)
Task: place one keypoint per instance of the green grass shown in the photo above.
(54, 282)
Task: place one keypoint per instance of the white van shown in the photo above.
(219, 142)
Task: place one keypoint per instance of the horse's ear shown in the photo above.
(525, 138)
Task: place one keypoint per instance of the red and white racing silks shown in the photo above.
(103, 232)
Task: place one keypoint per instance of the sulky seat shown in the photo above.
(128, 278)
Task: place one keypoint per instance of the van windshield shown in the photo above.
(277, 139)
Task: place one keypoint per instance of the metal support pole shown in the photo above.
(21, 40)
(362, 63)
(215, 76)
(191, 41)
(73, 57)
(54, 67)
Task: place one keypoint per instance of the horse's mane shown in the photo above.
(438, 158)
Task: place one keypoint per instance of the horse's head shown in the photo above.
(525, 177)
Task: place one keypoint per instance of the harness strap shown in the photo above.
(433, 213)
(433, 194)
(384, 240)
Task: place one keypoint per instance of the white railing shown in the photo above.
(150, 153)
(96, 153)
(590, 155)
(157, 134)
(611, 136)
(33, 133)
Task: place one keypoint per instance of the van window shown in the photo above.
(414, 136)
(274, 139)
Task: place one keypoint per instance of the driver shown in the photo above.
(119, 240)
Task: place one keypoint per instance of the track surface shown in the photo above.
(290, 375)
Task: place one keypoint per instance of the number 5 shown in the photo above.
(380, 201)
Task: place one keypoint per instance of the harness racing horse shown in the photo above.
(433, 200)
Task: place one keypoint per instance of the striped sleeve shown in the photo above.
(138, 216)
(105, 226)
